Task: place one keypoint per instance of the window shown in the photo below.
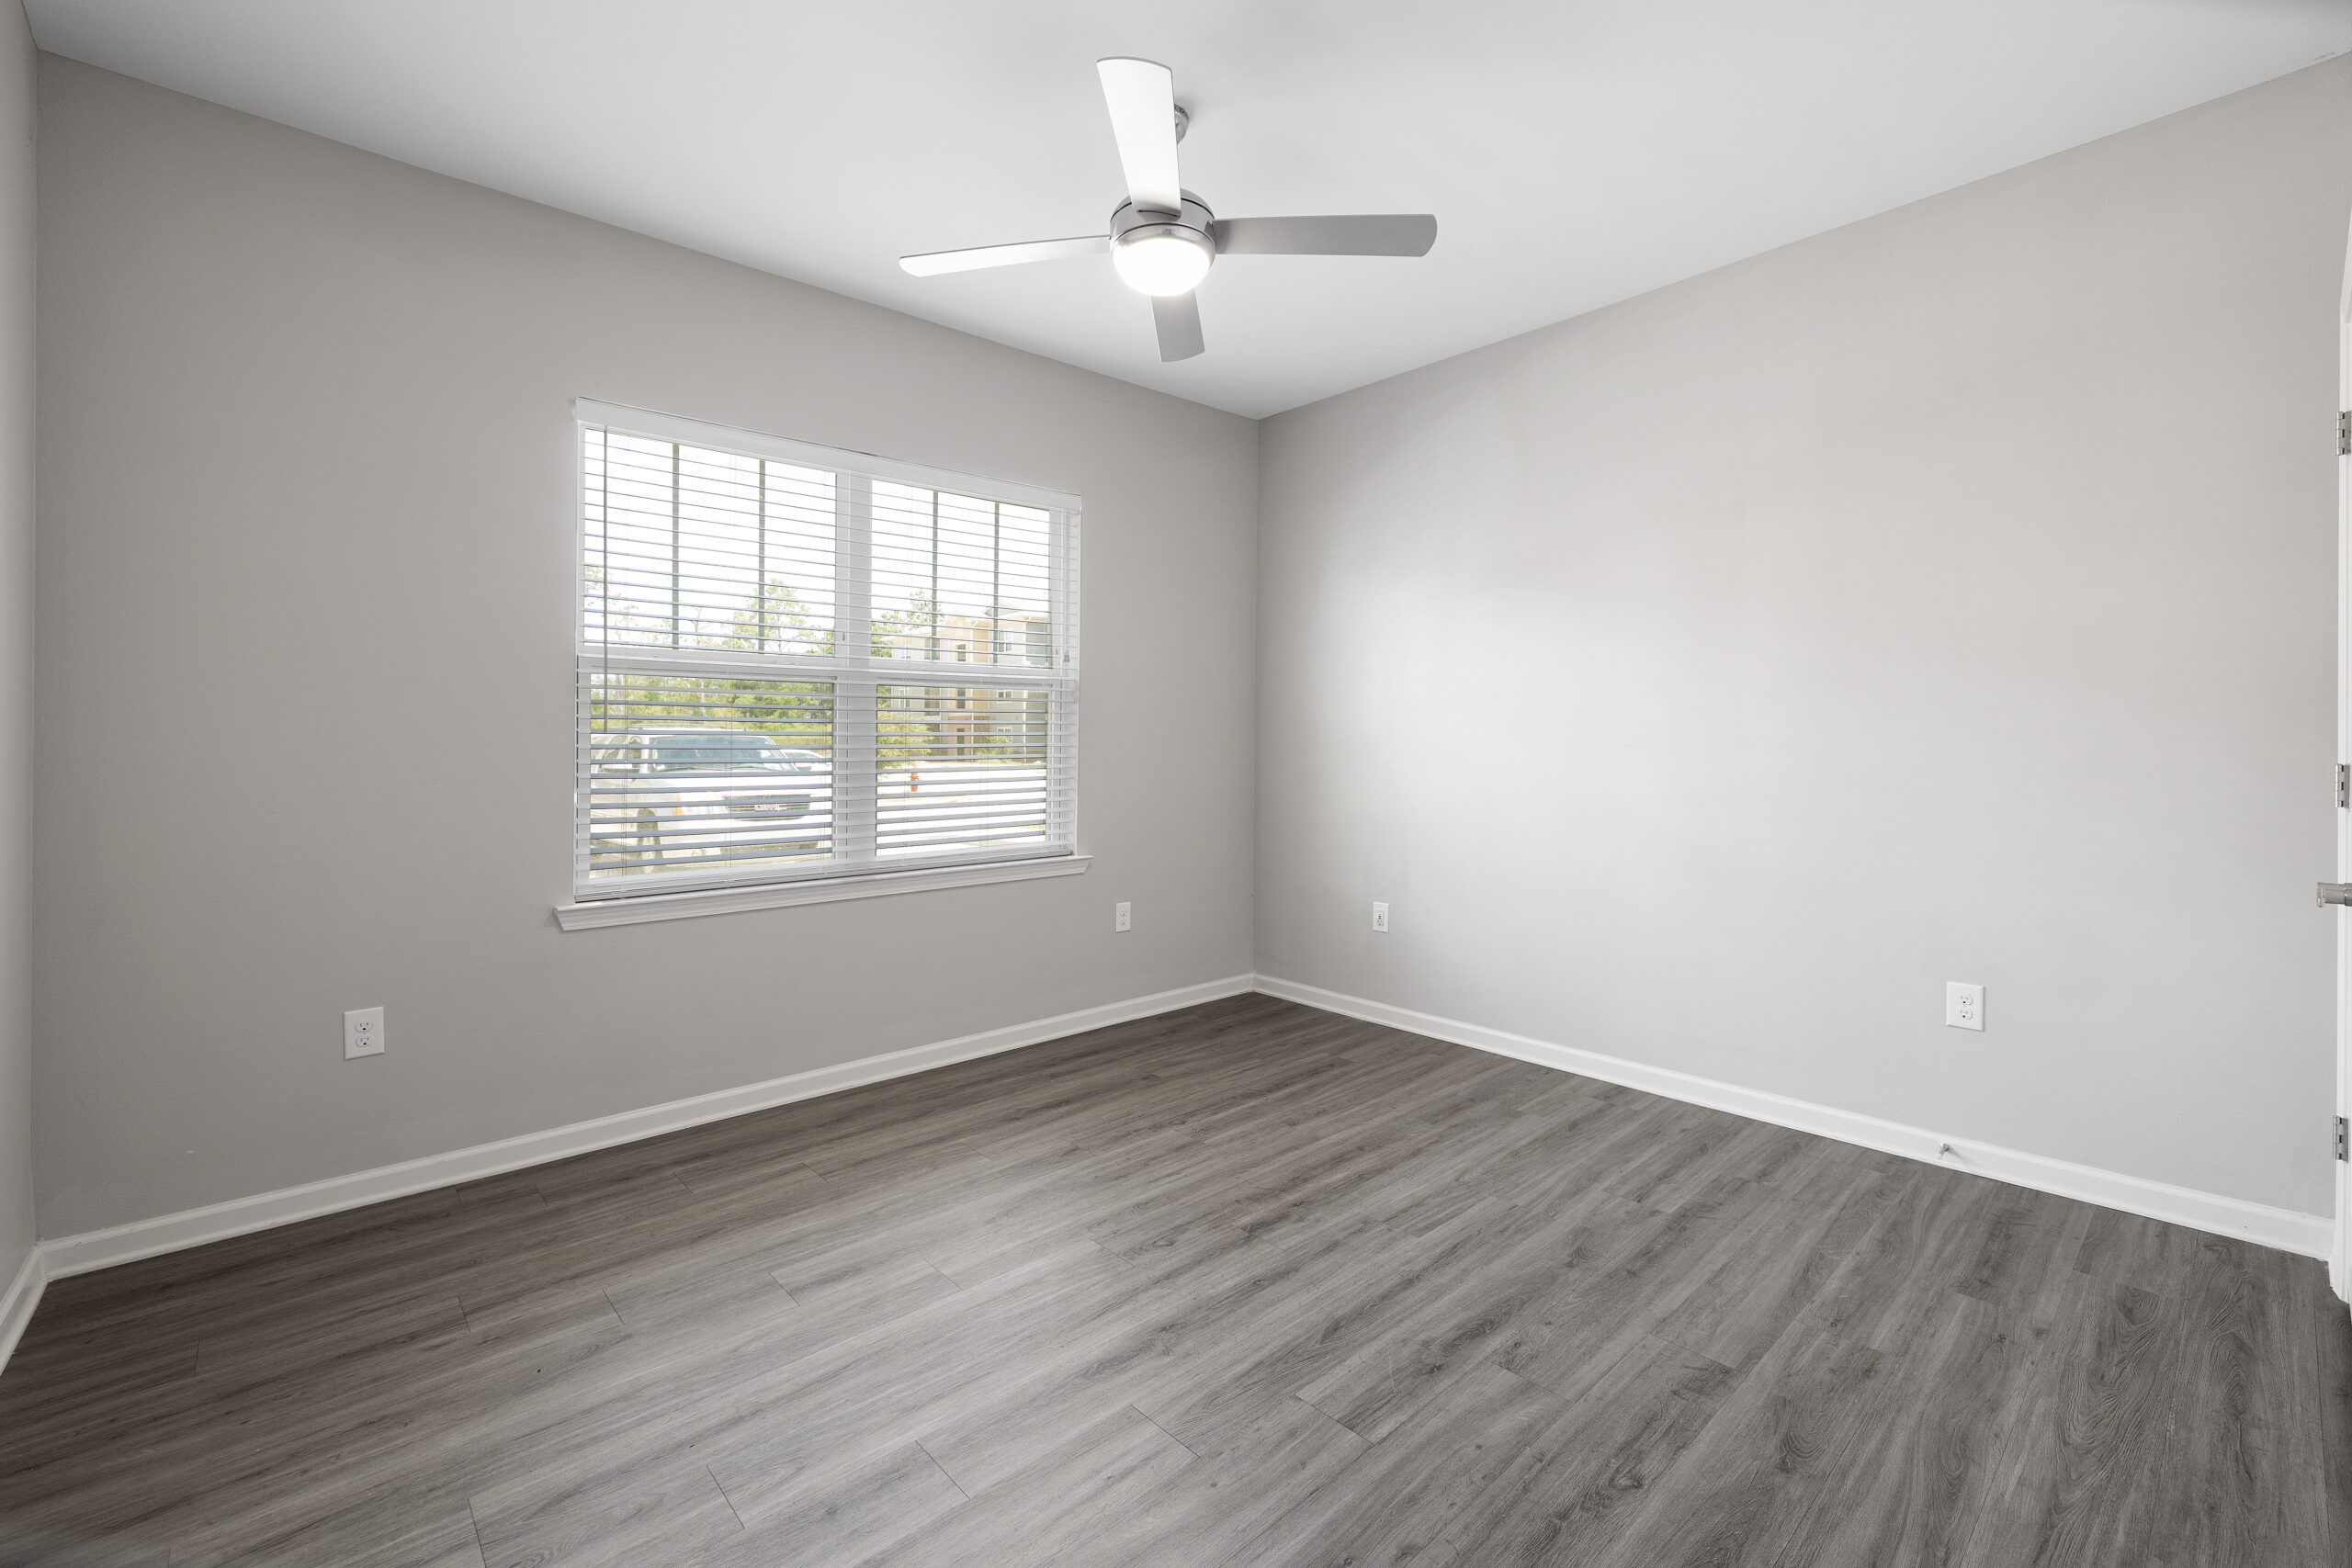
(797, 664)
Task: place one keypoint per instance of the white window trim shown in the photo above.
(599, 912)
(1069, 859)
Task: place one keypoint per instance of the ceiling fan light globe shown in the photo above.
(1162, 262)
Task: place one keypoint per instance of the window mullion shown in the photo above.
(760, 572)
(677, 552)
(855, 779)
(1061, 707)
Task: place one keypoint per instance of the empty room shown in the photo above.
(1265, 784)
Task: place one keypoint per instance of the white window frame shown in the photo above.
(854, 870)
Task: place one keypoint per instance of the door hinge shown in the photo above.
(2343, 1139)
(2344, 435)
(2344, 775)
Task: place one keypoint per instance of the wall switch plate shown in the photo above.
(1379, 917)
(363, 1033)
(1963, 1005)
(1122, 917)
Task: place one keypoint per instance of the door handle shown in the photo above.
(2335, 893)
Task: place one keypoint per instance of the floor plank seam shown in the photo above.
(943, 1469)
(723, 1497)
(1166, 1433)
(481, 1546)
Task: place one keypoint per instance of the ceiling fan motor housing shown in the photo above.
(1150, 247)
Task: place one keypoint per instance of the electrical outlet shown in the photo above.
(363, 1033)
(1379, 917)
(1122, 917)
(1963, 1005)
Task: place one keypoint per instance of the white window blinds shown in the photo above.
(795, 662)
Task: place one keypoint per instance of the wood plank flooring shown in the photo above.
(1243, 1286)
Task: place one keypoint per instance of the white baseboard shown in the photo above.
(61, 1256)
(2306, 1234)
(17, 1302)
(2310, 1235)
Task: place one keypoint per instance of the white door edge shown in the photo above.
(2339, 1269)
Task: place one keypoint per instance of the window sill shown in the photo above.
(784, 895)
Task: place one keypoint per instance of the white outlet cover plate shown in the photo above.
(1380, 917)
(1121, 917)
(1963, 1005)
(363, 1033)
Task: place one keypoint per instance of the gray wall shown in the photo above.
(16, 100)
(1709, 679)
(305, 723)
(1705, 680)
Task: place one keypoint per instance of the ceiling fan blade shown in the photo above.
(936, 262)
(1178, 317)
(1395, 234)
(1141, 96)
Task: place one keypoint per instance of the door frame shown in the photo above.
(2339, 1263)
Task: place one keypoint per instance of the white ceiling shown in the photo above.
(1575, 152)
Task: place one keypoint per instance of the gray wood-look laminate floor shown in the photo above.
(1249, 1285)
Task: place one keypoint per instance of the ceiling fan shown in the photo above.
(1163, 237)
